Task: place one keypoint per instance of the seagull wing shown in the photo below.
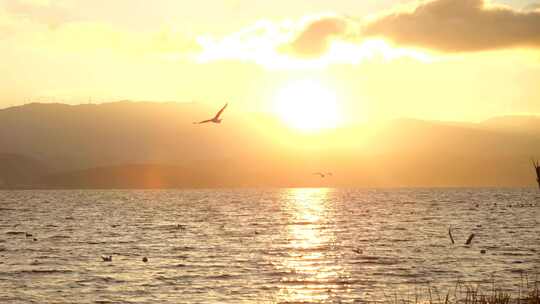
(220, 111)
(204, 121)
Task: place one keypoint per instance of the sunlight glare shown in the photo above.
(308, 106)
(309, 260)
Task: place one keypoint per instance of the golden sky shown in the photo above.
(463, 60)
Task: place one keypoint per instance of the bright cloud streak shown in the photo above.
(264, 44)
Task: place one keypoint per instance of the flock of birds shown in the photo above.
(217, 120)
(468, 242)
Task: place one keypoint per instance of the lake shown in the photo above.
(263, 245)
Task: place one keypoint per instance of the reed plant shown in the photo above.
(462, 293)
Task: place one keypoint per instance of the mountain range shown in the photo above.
(155, 145)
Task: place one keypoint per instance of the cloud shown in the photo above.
(38, 11)
(532, 6)
(459, 26)
(93, 38)
(314, 40)
(441, 25)
(309, 37)
(449, 26)
(45, 26)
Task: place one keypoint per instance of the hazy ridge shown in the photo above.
(155, 145)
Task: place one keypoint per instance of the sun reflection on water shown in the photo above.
(311, 265)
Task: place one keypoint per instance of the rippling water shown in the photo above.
(261, 246)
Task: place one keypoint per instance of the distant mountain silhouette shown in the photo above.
(155, 145)
(145, 176)
(528, 124)
(19, 170)
(84, 136)
(448, 154)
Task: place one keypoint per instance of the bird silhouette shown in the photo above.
(358, 250)
(217, 119)
(323, 174)
(469, 240)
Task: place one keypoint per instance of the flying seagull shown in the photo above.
(216, 118)
(323, 174)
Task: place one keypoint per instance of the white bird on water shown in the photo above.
(217, 119)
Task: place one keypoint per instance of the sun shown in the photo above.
(308, 106)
